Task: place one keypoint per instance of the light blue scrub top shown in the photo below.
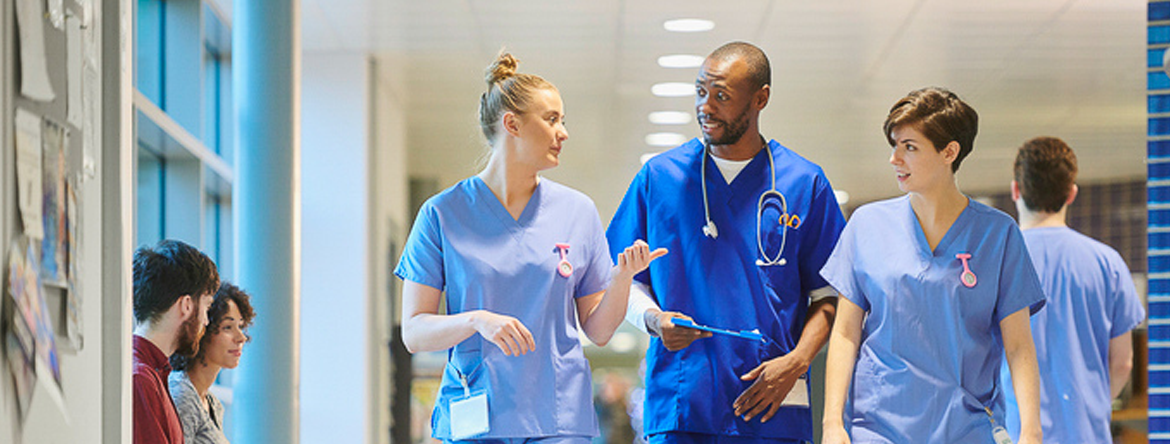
(931, 347)
(718, 282)
(466, 243)
(1091, 299)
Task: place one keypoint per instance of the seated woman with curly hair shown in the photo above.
(199, 411)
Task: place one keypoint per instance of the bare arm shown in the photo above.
(776, 377)
(843, 345)
(601, 313)
(1120, 362)
(423, 329)
(1021, 357)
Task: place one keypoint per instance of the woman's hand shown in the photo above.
(507, 332)
(635, 259)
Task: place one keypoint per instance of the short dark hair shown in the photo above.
(166, 272)
(1045, 171)
(219, 308)
(940, 115)
(759, 68)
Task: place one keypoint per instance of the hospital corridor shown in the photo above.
(572, 222)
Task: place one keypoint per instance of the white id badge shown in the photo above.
(798, 396)
(469, 416)
(1001, 435)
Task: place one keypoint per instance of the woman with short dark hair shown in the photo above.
(936, 288)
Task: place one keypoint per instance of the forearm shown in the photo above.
(605, 317)
(1120, 362)
(1021, 357)
(1026, 383)
(843, 345)
(426, 332)
(817, 326)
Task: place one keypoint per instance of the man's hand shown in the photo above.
(774, 379)
(675, 338)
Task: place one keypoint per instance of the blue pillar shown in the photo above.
(1158, 202)
(266, 193)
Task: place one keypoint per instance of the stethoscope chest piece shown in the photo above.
(710, 230)
(564, 268)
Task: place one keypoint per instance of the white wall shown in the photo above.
(82, 371)
(390, 222)
(335, 300)
(355, 205)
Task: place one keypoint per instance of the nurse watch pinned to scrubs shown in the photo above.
(564, 267)
(968, 277)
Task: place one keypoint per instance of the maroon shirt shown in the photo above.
(155, 419)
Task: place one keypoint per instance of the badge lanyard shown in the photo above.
(998, 433)
(469, 413)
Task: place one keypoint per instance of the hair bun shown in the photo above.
(501, 69)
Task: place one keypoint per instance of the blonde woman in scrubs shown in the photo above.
(522, 260)
(936, 289)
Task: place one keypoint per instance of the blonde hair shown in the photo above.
(507, 90)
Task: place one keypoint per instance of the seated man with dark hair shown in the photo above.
(173, 287)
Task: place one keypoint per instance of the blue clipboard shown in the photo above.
(750, 335)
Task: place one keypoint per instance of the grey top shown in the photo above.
(200, 425)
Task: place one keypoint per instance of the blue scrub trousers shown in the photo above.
(537, 440)
(704, 438)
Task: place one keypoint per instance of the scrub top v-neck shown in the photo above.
(466, 243)
(931, 348)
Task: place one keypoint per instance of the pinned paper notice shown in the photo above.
(73, 52)
(28, 172)
(34, 72)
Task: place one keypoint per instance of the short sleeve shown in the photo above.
(629, 222)
(1126, 309)
(597, 275)
(821, 231)
(422, 256)
(1019, 286)
(838, 269)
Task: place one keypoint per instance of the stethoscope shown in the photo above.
(712, 232)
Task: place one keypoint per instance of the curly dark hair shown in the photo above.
(219, 308)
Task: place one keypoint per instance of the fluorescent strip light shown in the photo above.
(670, 118)
(688, 25)
(665, 139)
(680, 61)
(673, 89)
(842, 196)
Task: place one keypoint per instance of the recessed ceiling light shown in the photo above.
(673, 89)
(688, 25)
(670, 118)
(665, 139)
(842, 196)
(680, 61)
